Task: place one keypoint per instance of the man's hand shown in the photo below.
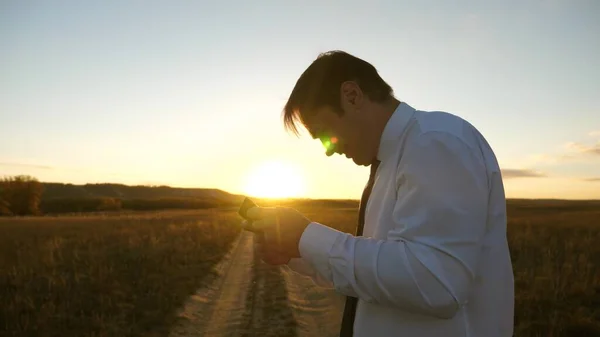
(278, 232)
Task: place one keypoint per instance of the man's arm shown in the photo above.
(429, 259)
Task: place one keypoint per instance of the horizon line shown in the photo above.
(278, 198)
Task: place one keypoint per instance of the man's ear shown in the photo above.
(351, 94)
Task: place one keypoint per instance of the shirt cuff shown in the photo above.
(315, 244)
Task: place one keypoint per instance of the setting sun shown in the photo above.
(275, 179)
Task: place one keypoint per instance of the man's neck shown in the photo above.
(391, 106)
(386, 110)
(383, 114)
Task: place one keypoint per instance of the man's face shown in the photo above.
(346, 135)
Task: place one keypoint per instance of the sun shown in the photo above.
(275, 179)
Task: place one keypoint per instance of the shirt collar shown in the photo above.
(393, 130)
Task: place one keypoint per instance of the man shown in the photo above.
(430, 257)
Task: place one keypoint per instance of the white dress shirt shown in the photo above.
(433, 259)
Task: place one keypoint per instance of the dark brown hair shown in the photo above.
(319, 85)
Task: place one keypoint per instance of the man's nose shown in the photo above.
(333, 149)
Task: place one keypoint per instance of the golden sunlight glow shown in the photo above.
(275, 179)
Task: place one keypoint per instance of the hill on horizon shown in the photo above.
(122, 191)
(53, 190)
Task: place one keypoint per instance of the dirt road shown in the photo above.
(246, 297)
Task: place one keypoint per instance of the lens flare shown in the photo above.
(329, 143)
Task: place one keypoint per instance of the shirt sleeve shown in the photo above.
(428, 260)
(302, 267)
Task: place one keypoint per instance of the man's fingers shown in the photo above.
(267, 234)
(269, 252)
(270, 228)
(249, 225)
(273, 238)
(258, 226)
(254, 213)
(266, 225)
(263, 227)
(258, 213)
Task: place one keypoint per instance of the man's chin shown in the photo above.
(360, 162)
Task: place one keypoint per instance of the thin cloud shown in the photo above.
(593, 179)
(571, 152)
(521, 173)
(580, 148)
(43, 167)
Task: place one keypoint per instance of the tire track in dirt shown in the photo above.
(245, 298)
(317, 311)
(218, 307)
(268, 312)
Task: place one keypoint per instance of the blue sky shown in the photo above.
(190, 93)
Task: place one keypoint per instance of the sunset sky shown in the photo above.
(189, 93)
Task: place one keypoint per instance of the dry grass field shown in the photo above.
(126, 274)
(105, 275)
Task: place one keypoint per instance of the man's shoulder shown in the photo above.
(443, 124)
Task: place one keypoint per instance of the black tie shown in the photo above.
(347, 329)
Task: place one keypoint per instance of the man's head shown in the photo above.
(342, 101)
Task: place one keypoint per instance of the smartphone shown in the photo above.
(246, 205)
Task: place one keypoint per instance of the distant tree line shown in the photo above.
(24, 195)
(20, 195)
